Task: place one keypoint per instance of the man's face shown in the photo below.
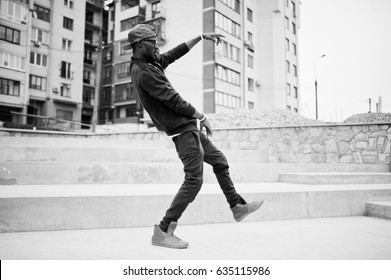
(150, 49)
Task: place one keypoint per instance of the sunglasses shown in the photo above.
(154, 42)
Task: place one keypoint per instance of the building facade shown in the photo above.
(256, 66)
(56, 56)
(47, 69)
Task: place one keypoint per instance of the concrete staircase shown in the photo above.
(56, 183)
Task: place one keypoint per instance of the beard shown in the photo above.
(151, 57)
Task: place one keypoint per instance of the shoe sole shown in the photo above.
(245, 215)
(168, 246)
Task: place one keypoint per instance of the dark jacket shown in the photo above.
(167, 109)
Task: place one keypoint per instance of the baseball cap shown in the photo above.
(138, 33)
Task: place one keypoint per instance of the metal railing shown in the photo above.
(28, 121)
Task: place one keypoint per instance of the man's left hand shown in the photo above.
(215, 37)
(207, 126)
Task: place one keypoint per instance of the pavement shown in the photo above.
(342, 238)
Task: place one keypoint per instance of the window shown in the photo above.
(37, 82)
(249, 15)
(9, 34)
(65, 71)
(107, 75)
(66, 44)
(123, 70)
(155, 8)
(127, 4)
(42, 13)
(86, 76)
(227, 100)
(89, 36)
(14, 12)
(287, 23)
(129, 23)
(294, 70)
(295, 92)
(64, 115)
(288, 107)
(250, 61)
(90, 16)
(296, 110)
(287, 44)
(294, 28)
(250, 83)
(227, 25)
(9, 87)
(288, 66)
(288, 89)
(251, 105)
(65, 90)
(68, 23)
(293, 9)
(227, 75)
(88, 95)
(121, 49)
(229, 51)
(250, 37)
(233, 4)
(294, 49)
(124, 92)
(88, 56)
(39, 35)
(12, 61)
(38, 59)
(68, 3)
(107, 93)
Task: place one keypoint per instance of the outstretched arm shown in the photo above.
(215, 37)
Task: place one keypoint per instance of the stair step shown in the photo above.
(73, 142)
(337, 178)
(112, 154)
(68, 207)
(152, 172)
(380, 209)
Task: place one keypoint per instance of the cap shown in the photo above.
(138, 33)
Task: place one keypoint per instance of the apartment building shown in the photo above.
(47, 69)
(256, 66)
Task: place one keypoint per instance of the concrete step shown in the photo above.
(380, 209)
(337, 178)
(112, 154)
(66, 207)
(153, 172)
(69, 142)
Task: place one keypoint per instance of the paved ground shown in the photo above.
(349, 238)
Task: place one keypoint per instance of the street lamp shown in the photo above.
(316, 86)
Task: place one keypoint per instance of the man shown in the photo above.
(178, 119)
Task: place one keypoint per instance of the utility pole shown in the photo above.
(316, 86)
(97, 84)
(370, 107)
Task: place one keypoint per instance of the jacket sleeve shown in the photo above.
(157, 85)
(169, 57)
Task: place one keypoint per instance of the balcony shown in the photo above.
(159, 24)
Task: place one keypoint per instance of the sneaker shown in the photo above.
(241, 211)
(169, 240)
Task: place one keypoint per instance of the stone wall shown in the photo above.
(345, 143)
(313, 144)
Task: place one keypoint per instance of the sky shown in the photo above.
(355, 36)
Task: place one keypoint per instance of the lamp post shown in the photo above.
(316, 86)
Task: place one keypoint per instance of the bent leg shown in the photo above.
(190, 151)
(217, 159)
